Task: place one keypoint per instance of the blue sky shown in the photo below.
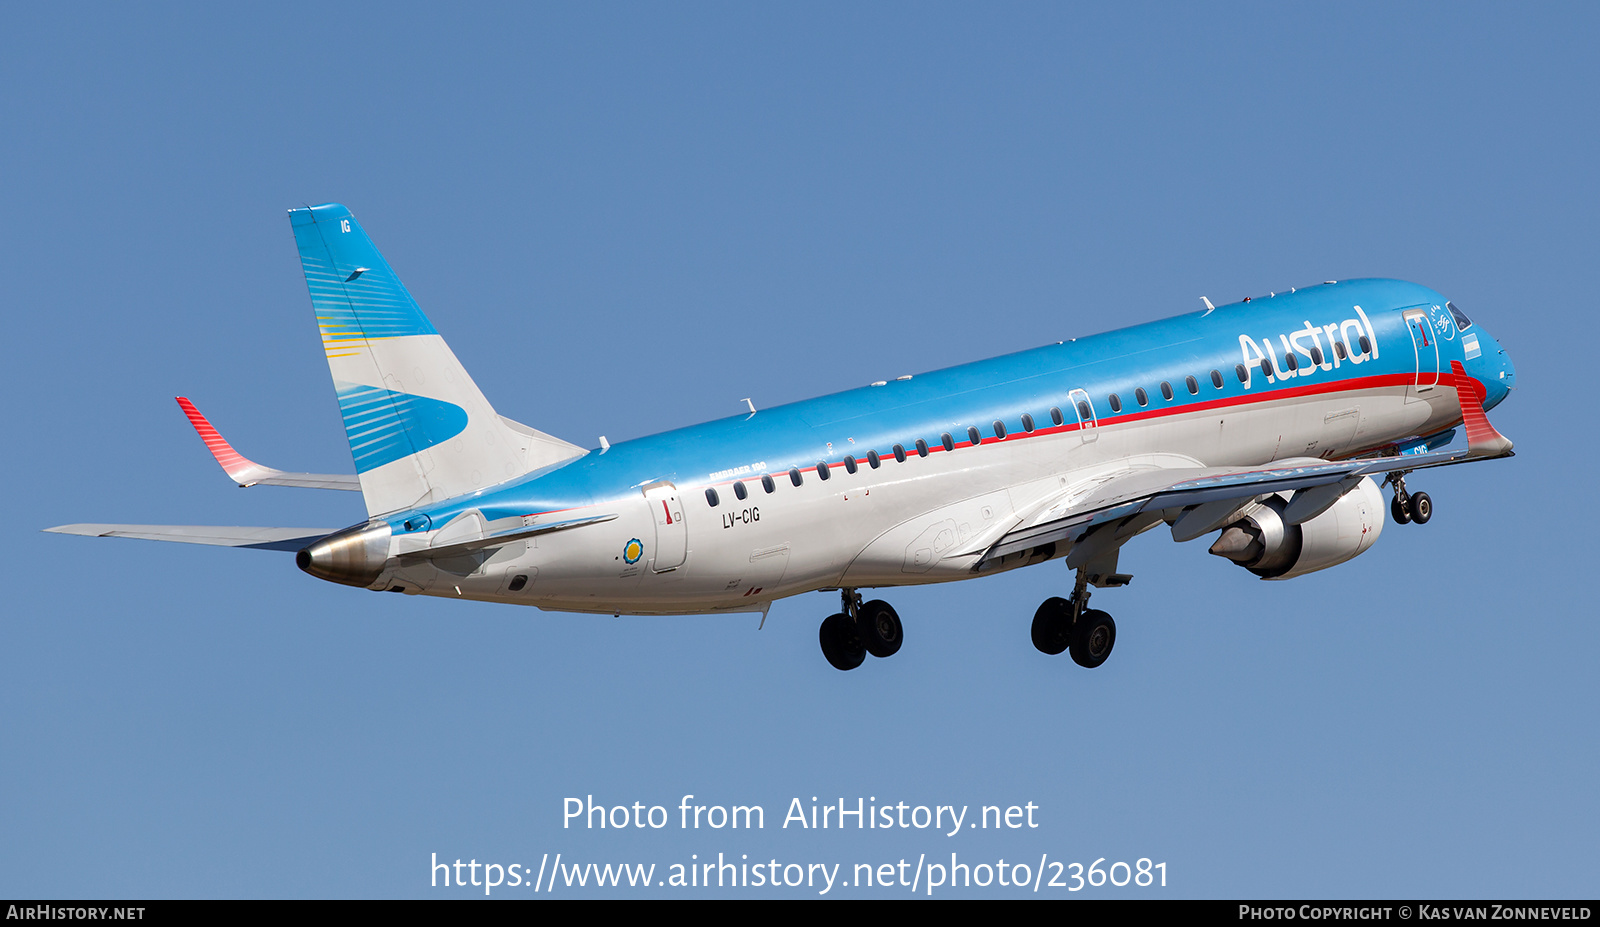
(626, 218)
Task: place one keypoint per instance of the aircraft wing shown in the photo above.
(291, 539)
(1207, 498)
(247, 472)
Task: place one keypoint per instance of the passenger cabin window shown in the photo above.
(973, 436)
(1166, 390)
(711, 496)
(1316, 355)
(1216, 379)
(922, 448)
(1116, 403)
(1290, 363)
(1142, 396)
(1266, 366)
(872, 460)
(1193, 384)
(794, 475)
(999, 429)
(850, 464)
(1366, 345)
(948, 442)
(1027, 423)
(767, 483)
(739, 490)
(1085, 414)
(1055, 415)
(899, 454)
(1339, 351)
(1240, 372)
(823, 471)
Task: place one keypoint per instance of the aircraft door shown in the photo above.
(1083, 408)
(672, 540)
(1426, 345)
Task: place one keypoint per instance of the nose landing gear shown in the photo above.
(859, 629)
(1408, 506)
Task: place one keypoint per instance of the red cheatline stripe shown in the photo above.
(1178, 408)
(1268, 393)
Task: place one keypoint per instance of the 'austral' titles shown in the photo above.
(1300, 343)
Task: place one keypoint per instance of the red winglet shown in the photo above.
(243, 470)
(1482, 439)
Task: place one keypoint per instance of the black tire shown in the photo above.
(1052, 626)
(841, 642)
(880, 628)
(1092, 638)
(1421, 508)
(1398, 509)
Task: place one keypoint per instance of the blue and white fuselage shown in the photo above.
(866, 528)
(1261, 419)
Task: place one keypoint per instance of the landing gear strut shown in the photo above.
(858, 629)
(1407, 506)
(1068, 624)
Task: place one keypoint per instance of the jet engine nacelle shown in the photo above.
(1264, 544)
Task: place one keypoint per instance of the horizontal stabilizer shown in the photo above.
(290, 539)
(247, 472)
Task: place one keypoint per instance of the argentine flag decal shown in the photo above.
(1470, 344)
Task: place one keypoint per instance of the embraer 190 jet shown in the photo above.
(1264, 421)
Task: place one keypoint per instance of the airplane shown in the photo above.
(1264, 421)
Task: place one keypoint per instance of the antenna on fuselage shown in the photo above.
(746, 401)
(1209, 308)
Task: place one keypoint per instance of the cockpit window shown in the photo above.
(1462, 322)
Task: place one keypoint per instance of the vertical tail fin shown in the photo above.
(419, 429)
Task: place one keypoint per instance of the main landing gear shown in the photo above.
(1066, 624)
(859, 629)
(1408, 506)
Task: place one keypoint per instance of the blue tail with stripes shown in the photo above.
(420, 431)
